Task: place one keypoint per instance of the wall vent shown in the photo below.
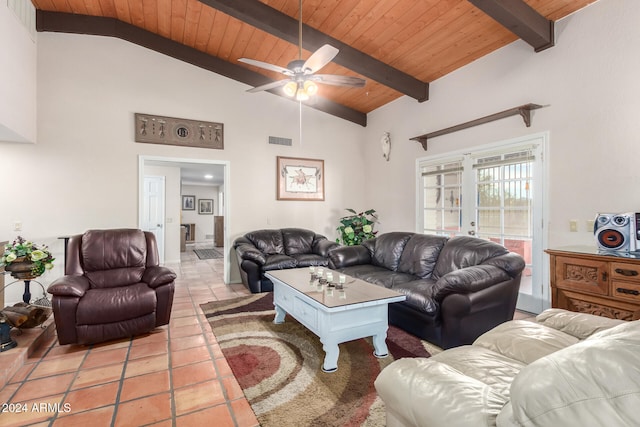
(280, 141)
(208, 236)
(25, 11)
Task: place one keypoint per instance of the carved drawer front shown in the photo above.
(625, 271)
(598, 309)
(628, 291)
(582, 275)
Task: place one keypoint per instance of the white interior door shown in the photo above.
(153, 210)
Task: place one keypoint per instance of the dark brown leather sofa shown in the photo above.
(277, 249)
(113, 287)
(457, 288)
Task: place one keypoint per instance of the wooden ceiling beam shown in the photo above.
(521, 19)
(102, 26)
(274, 22)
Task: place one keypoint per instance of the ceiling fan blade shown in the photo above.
(332, 79)
(268, 86)
(267, 66)
(320, 58)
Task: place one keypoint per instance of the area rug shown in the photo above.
(208, 253)
(279, 367)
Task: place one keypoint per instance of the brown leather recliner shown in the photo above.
(113, 287)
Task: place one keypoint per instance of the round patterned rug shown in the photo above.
(279, 367)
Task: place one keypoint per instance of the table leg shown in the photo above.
(280, 314)
(26, 297)
(380, 344)
(332, 351)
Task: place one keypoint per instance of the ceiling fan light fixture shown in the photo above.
(290, 88)
(310, 88)
(301, 95)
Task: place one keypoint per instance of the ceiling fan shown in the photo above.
(301, 81)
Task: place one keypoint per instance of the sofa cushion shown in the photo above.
(269, 242)
(595, 382)
(297, 241)
(113, 305)
(464, 251)
(524, 340)
(420, 254)
(419, 295)
(388, 249)
(482, 364)
(378, 275)
(305, 260)
(279, 262)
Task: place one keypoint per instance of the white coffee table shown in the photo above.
(358, 311)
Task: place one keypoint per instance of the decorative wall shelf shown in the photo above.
(523, 110)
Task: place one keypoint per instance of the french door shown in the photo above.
(494, 193)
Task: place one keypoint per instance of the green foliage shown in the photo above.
(358, 227)
(21, 250)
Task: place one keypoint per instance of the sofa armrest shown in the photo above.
(156, 275)
(346, 256)
(69, 286)
(249, 252)
(470, 279)
(322, 246)
(415, 391)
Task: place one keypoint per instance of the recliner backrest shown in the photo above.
(112, 258)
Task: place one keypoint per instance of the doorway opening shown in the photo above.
(204, 203)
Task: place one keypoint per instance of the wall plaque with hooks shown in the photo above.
(174, 131)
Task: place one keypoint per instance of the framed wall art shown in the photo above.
(300, 179)
(188, 203)
(205, 206)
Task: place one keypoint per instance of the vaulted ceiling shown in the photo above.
(398, 46)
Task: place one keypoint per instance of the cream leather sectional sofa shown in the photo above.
(565, 369)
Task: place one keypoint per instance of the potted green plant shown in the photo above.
(25, 260)
(358, 227)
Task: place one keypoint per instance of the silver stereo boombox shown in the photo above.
(618, 232)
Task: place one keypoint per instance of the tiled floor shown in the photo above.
(175, 376)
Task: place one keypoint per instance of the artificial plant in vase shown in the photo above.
(358, 227)
(26, 260)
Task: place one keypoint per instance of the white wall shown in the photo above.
(204, 223)
(590, 83)
(18, 53)
(83, 173)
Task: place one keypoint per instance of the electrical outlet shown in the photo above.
(573, 225)
(590, 223)
(17, 226)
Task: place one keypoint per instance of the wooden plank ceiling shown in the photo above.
(398, 46)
